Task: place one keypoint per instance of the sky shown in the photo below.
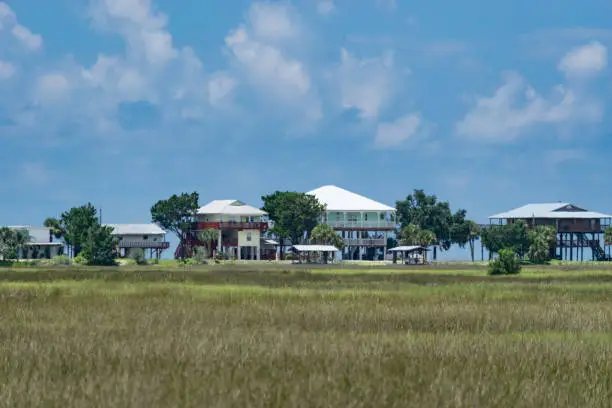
(121, 103)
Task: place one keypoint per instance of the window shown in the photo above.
(365, 217)
(248, 236)
(145, 237)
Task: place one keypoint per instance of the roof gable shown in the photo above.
(338, 199)
(549, 210)
(230, 207)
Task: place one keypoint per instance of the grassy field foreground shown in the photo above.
(295, 339)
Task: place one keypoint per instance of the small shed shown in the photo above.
(313, 253)
(411, 254)
(268, 248)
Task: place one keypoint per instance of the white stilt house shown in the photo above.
(239, 227)
(148, 237)
(363, 223)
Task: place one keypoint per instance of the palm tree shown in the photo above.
(323, 234)
(413, 235)
(19, 239)
(608, 236)
(474, 234)
(55, 228)
(541, 241)
(208, 236)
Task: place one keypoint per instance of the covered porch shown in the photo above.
(410, 255)
(314, 253)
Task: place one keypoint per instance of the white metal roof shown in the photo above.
(549, 210)
(408, 248)
(230, 207)
(339, 199)
(136, 229)
(315, 248)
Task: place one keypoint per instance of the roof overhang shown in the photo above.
(315, 248)
(409, 248)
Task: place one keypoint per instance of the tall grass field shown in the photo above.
(288, 337)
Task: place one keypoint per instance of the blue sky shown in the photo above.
(122, 102)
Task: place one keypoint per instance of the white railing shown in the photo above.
(361, 224)
(365, 241)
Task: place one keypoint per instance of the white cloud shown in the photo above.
(219, 87)
(7, 70)
(9, 22)
(366, 84)
(267, 65)
(397, 132)
(272, 21)
(52, 88)
(589, 59)
(139, 24)
(261, 51)
(516, 108)
(325, 7)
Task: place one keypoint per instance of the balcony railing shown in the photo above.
(233, 225)
(365, 241)
(381, 224)
(144, 244)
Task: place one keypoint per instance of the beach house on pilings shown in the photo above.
(238, 229)
(363, 223)
(577, 228)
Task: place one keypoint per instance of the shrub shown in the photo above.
(289, 257)
(138, 255)
(199, 255)
(508, 263)
(60, 260)
(80, 260)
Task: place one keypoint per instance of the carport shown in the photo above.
(411, 255)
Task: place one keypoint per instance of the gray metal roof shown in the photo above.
(408, 248)
(315, 248)
(136, 229)
(548, 210)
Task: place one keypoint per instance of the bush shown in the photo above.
(199, 255)
(80, 260)
(289, 257)
(507, 264)
(138, 255)
(60, 260)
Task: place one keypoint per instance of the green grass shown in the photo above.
(249, 336)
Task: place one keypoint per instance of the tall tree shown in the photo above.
(323, 234)
(75, 224)
(426, 212)
(465, 232)
(208, 236)
(177, 214)
(294, 214)
(55, 228)
(98, 245)
(511, 236)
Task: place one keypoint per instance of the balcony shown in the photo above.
(380, 225)
(370, 242)
(233, 225)
(144, 244)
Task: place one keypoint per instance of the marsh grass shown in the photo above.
(240, 338)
